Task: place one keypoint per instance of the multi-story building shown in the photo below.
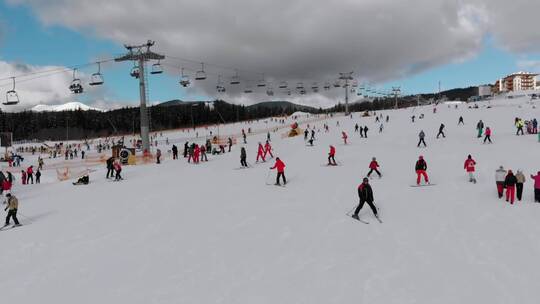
(520, 81)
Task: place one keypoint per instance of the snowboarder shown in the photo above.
(441, 131)
(13, 205)
(174, 152)
(421, 136)
(500, 175)
(480, 128)
(488, 135)
(469, 167)
(420, 168)
(260, 153)
(460, 121)
(331, 155)
(344, 136)
(268, 150)
(365, 194)
(536, 179)
(243, 156)
(510, 182)
(520, 177)
(373, 165)
(110, 167)
(158, 156)
(280, 166)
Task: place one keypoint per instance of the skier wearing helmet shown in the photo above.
(421, 167)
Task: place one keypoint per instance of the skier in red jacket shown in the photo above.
(260, 153)
(267, 149)
(421, 167)
(280, 166)
(344, 136)
(196, 154)
(469, 166)
(373, 165)
(331, 154)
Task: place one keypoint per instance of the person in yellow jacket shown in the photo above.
(12, 204)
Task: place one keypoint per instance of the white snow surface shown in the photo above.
(70, 106)
(207, 233)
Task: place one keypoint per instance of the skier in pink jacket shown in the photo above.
(536, 179)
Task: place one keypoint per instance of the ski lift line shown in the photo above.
(197, 62)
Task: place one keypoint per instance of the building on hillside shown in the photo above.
(520, 81)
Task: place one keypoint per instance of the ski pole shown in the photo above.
(349, 213)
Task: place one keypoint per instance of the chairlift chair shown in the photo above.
(156, 68)
(248, 89)
(135, 72)
(76, 87)
(261, 83)
(354, 83)
(184, 79)
(302, 91)
(12, 98)
(200, 75)
(235, 79)
(315, 87)
(299, 86)
(220, 87)
(283, 85)
(337, 84)
(96, 78)
(327, 86)
(289, 92)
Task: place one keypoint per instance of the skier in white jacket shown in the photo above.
(500, 176)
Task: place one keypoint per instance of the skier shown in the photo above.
(356, 128)
(412, 118)
(510, 182)
(313, 134)
(110, 167)
(387, 118)
(268, 150)
(361, 132)
(244, 136)
(331, 155)
(500, 175)
(260, 153)
(13, 205)
(186, 148)
(23, 177)
(203, 153)
(488, 135)
(158, 156)
(280, 166)
(174, 152)
(243, 157)
(381, 128)
(118, 169)
(421, 136)
(520, 177)
(460, 121)
(229, 141)
(365, 194)
(469, 166)
(519, 126)
(196, 154)
(441, 131)
(536, 179)
(480, 128)
(421, 167)
(83, 180)
(365, 131)
(30, 174)
(306, 132)
(373, 165)
(344, 136)
(38, 176)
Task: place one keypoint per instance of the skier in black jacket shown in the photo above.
(441, 131)
(110, 168)
(365, 193)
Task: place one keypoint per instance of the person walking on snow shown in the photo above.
(38, 176)
(268, 150)
(500, 175)
(469, 167)
(344, 136)
(280, 166)
(243, 156)
(441, 131)
(12, 205)
(519, 126)
(536, 179)
(519, 185)
(260, 153)
(420, 168)
(480, 128)
(373, 165)
(365, 194)
(510, 182)
(174, 152)
(331, 155)
(488, 135)
(421, 136)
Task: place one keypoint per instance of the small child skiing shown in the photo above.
(421, 137)
(268, 150)
(469, 166)
(331, 156)
(373, 165)
(260, 153)
(421, 167)
(243, 156)
(344, 136)
(118, 170)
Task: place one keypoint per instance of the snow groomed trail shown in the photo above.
(184, 233)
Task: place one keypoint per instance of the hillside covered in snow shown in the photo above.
(70, 106)
(179, 232)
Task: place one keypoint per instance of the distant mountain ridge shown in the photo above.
(70, 106)
(265, 104)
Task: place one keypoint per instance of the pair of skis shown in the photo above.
(7, 227)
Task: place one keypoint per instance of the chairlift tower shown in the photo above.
(141, 54)
(346, 77)
(396, 91)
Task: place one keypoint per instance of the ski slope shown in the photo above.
(208, 233)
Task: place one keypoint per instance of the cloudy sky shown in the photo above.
(414, 44)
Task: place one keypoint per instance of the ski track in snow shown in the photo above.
(206, 233)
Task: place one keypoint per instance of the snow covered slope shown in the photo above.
(70, 106)
(208, 233)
